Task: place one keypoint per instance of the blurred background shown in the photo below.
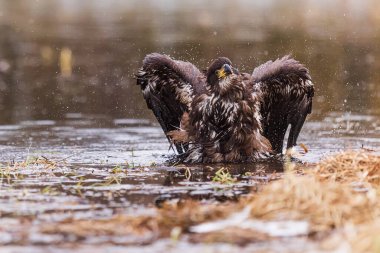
(59, 57)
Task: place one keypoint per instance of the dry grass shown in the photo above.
(141, 229)
(185, 214)
(350, 166)
(325, 205)
(233, 235)
(324, 196)
(10, 172)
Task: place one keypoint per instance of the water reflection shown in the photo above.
(107, 41)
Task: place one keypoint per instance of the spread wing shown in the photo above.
(168, 88)
(285, 90)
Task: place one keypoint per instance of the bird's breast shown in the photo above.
(225, 111)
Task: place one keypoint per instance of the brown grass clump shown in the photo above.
(140, 228)
(233, 235)
(325, 205)
(185, 214)
(350, 166)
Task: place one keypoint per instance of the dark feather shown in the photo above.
(168, 87)
(286, 93)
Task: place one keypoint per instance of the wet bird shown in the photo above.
(222, 115)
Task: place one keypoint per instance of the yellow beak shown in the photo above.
(224, 71)
(221, 73)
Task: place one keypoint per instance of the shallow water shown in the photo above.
(100, 151)
(120, 167)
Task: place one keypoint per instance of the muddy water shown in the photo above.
(91, 168)
(76, 138)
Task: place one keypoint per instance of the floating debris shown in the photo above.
(304, 147)
(223, 176)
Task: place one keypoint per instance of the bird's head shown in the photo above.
(219, 72)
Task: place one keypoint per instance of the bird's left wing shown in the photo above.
(168, 88)
(285, 90)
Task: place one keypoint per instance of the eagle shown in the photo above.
(222, 115)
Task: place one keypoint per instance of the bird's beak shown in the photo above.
(224, 71)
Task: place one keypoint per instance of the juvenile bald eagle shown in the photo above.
(222, 115)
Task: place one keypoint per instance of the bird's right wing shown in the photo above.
(168, 87)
